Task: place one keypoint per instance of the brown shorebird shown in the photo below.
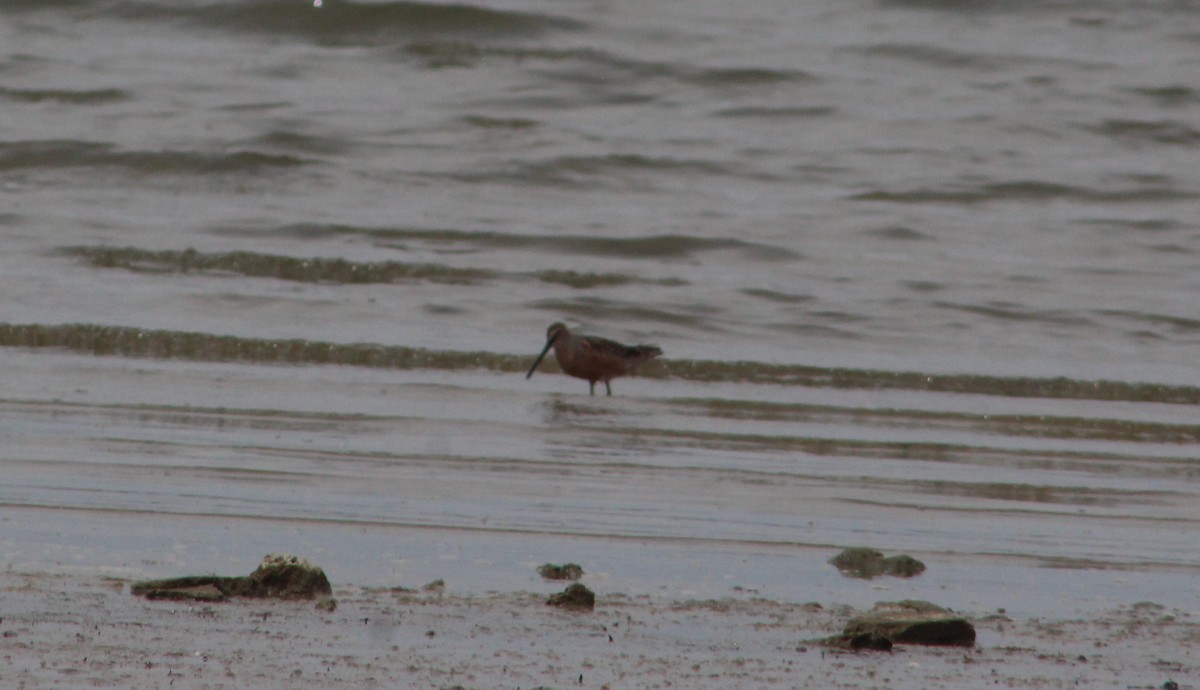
(593, 359)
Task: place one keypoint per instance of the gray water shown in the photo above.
(924, 273)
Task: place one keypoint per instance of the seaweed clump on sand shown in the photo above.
(278, 576)
(566, 571)
(575, 596)
(868, 563)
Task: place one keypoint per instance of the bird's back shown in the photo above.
(596, 358)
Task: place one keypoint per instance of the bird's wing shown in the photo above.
(610, 348)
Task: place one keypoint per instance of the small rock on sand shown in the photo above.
(575, 596)
(906, 622)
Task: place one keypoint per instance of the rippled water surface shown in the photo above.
(925, 275)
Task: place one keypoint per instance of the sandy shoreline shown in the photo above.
(81, 630)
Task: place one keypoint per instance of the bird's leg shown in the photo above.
(591, 387)
(608, 387)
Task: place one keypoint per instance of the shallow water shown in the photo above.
(924, 274)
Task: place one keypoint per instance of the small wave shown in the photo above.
(740, 77)
(456, 52)
(984, 6)
(935, 56)
(1180, 325)
(652, 247)
(1026, 190)
(604, 67)
(940, 5)
(783, 113)
(20, 155)
(341, 22)
(441, 54)
(438, 52)
(695, 316)
(1124, 225)
(1007, 311)
(777, 297)
(66, 153)
(319, 270)
(1170, 248)
(136, 342)
(924, 286)
(506, 123)
(305, 144)
(657, 246)
(1167, 132)
(614, 170)
(273, 266)
(67, 96)
(588, 280)
(1169, 96)
(809, 329)
(899, 232)
(598, 76)
(704, 76)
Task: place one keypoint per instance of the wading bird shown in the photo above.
(593, 359)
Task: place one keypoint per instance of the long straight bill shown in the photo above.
(549, 344)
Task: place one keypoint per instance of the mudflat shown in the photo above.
(85, 630)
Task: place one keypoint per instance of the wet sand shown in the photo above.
(704, 514)
(84, 629)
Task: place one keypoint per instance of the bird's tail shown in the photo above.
(648, 351)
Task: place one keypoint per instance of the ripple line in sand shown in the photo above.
(136, 342)
(329, 270)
